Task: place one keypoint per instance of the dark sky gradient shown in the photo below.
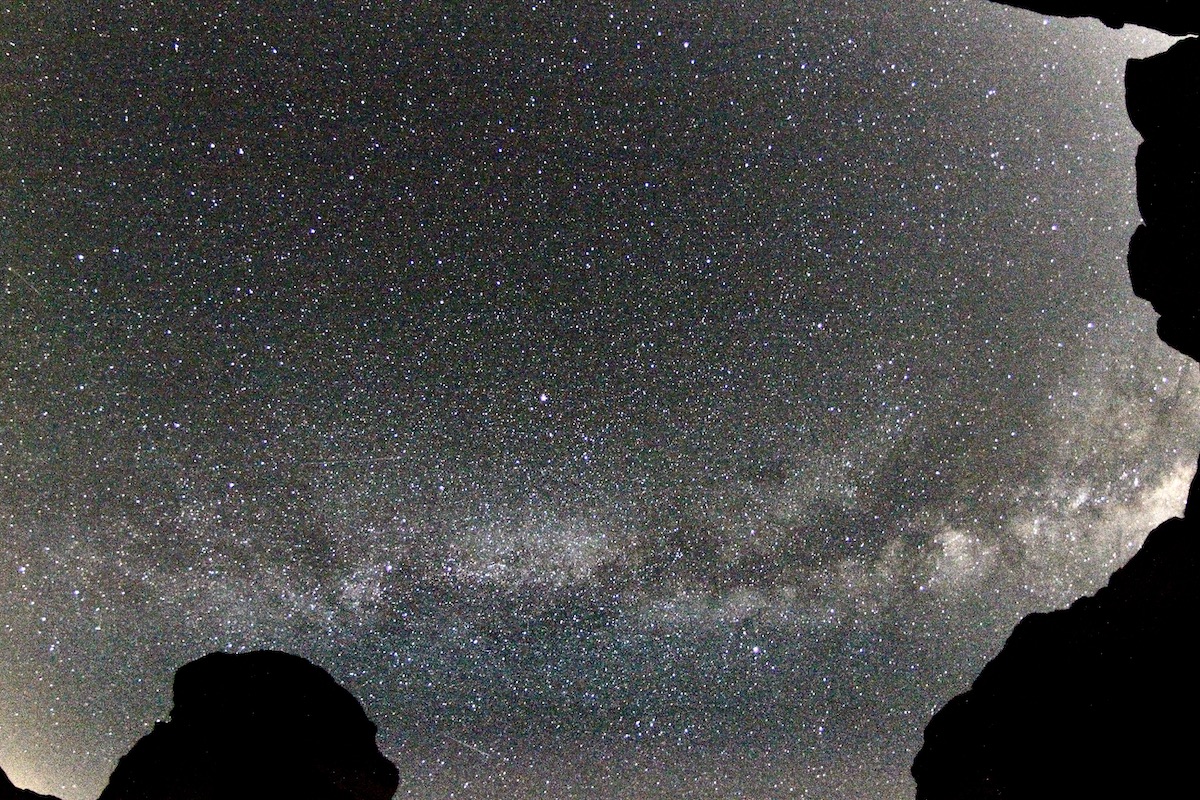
(623, 401)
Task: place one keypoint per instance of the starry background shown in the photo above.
(622, 400)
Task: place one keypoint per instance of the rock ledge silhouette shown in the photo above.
(1176, 17)
(1093, 701)
(1099, 700)
(256, 725)
(10, 792)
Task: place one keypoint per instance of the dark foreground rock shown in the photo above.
(1161, 94)
(1177, 17)
(1095, 701)
(10, 792)
(256, 725)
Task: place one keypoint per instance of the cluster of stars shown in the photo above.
(683, 400)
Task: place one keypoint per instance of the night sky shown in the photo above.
(622, 400)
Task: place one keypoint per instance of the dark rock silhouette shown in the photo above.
(256, 725)
(1098, 700)
(1177, 17)
(10, 792)
(1161, 94)
(1094, 701)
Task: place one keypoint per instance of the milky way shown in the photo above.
(623, 401)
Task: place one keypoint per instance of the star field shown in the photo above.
(622, 400)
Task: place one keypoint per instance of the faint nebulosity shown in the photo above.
(675, 400)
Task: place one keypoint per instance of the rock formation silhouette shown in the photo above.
(10, 792)
(1161, 94)
(256, 725)
(1097, 700)
(252, 726)
(1093, 701)
(1176, 17)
